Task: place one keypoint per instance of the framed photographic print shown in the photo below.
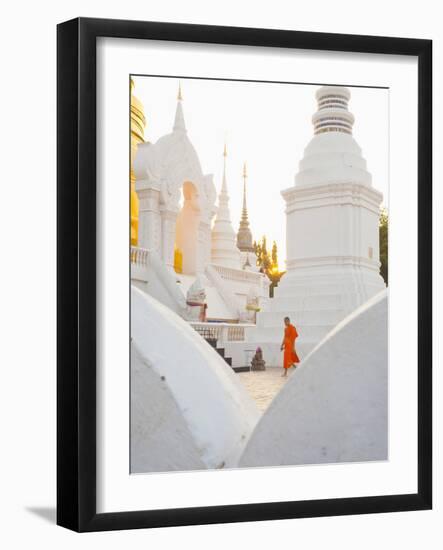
(244, 274)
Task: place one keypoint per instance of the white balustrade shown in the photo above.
(147, 265)
(222, 332)
(238, 275)
(139, 256)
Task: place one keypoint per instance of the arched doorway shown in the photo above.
(187, 227)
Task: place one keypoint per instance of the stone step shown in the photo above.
(212, 342)
(326, 288)
(301, 318)
(307, 333)
(351, 288)
(221, 351)
(241, 369)
(302, 302)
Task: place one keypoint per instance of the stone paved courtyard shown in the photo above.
(262, 386)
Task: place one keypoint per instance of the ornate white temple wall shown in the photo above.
(227, 290)
(150, 220)
(150, 275)
(165, 171)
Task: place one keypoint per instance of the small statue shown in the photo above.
(252, 305)
(196, 302)
(258, 363)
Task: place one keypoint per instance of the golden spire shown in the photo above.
(225, 152)
(179, 95)
(245, 208)
(244, 236)
(138, 124)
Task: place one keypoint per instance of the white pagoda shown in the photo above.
(180, 258)
(332, 235)
(224, 251)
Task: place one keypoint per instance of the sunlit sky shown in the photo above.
(267, 126)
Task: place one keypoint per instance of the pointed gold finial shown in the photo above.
(179, 95)
(225, 151)
(245, 174)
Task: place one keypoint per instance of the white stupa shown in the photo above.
(332, 234)
(332, 220)
(224, 249)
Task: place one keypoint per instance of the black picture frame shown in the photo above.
(76, 273)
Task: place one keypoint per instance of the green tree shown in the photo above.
(268, 263)
(274, 256)
(258, 253)
(383, 242)
(263, 258)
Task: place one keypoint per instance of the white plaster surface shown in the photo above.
(160, 438)
(334, 406)
(201, 396)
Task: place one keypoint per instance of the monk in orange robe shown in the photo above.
(290, 356)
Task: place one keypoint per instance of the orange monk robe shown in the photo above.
(290, 356)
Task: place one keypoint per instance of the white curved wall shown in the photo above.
(334, 406)
(160, 438)
(217, 415)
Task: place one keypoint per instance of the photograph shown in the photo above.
(258, 251)
(226, 329)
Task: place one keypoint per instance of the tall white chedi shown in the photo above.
(332, 232)
(224, 251)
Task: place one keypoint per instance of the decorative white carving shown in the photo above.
(196, 292)
(196, 301)
(163, 170)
